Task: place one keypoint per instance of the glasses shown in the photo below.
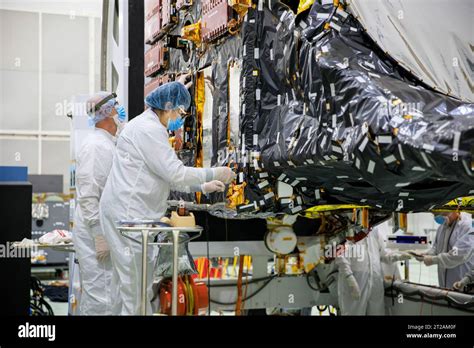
(183, 112)
(96, 107)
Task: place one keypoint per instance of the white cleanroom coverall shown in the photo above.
(363, 266)
(92, 169)
(144, 169)
(453, 249)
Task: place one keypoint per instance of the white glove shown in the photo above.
(101, 248)
(403, 257)
(213, 186)
(183, 78)
(224, 174)
(462, 283)
(430, 260)
(354, 287)
(416, 255)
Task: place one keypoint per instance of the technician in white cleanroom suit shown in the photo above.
(360, 280)
(145, 168)
(453, 248)
(92, 169)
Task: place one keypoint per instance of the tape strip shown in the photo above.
(384, 139)
(333, 89)
(342, 13)
(323, 142)
(400, 150)
(352, 119)
(269, 195)
(335, 26)
(456, 140)
(296, 209)
(363, 144)
(322, 16)
(402, 184)
(371, 167)
(428, 147)
(425, 158)
(390, 159)
(336, 149)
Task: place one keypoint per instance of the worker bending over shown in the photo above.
(144, 171)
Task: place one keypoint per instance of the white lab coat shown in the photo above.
(366, 266)
(390, 269)
(93, 165)
(453, 250)
(144, 169)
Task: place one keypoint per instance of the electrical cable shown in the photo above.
(250, 282)
(433, 298)
(309, 283)
(38, 303)
(244, 299)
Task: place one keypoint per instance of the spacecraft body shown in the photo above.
(310, 108)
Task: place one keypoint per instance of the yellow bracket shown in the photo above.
(462, 204)
(319, 209)
(192, 33)
(304, 5)
(241, 6)
(236, 195)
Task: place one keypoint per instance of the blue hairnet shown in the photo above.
(105, 110)
(170, 96)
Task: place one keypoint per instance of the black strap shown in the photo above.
(98, 105)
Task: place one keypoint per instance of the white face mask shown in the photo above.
(120, 125)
